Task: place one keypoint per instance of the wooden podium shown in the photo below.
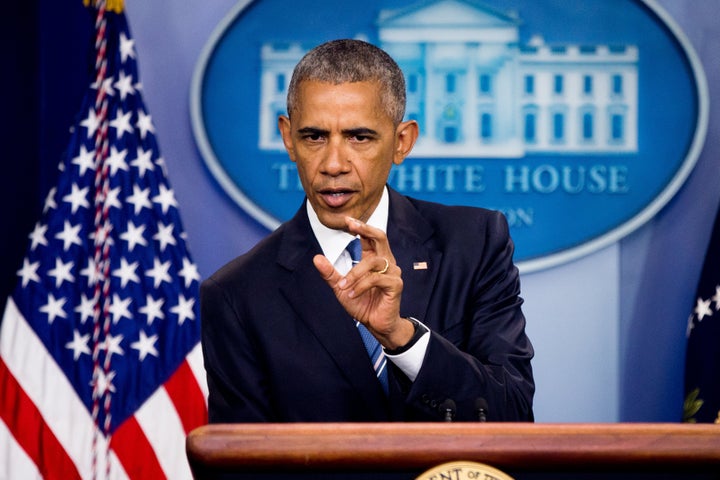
(405, 450)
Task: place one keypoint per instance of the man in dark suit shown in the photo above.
(424, 324)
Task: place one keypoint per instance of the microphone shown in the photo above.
(447, 409)
(481, 407)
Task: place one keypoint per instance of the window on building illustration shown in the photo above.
(587, 84)
(558, 126)
(617, 84)
(529, 84)
(530, 130)
(485, 84)
(587, 126)
(450, 80)
(412, 83)
(617, 127)
(450, 134)
(558, 84)
(486, 126)
(280, 83)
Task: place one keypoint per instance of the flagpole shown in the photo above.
(101, 318)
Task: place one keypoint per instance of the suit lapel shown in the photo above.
(317, 307)
(411, 242)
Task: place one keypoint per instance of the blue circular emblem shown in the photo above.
(578, 120)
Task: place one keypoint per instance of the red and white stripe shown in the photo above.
(47, 432)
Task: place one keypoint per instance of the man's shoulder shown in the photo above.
(449, 216)
(444, 209)
(450, 226)
(467, 235)
(252, 263)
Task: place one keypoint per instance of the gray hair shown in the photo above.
(343, 61)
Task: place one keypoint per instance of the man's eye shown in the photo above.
(313, 137)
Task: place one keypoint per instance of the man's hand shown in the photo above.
(369, 296)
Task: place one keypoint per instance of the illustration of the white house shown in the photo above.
(477, 92)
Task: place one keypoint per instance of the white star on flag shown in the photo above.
(164, 236)
(127, 47)
(152, 309)
(91, 123)
(143, 161)
(145, 124)
(121, 124)
(112, 345)
(189, 272)
(28, 272)
(184, 309)
(61, 272)
(134, 236)
(116, 160)
(86, 309)
(70, 235)
(145, 345)
(54, 308)
(79, 344)
(702, 309)
(140, 199)
(102, 383)
(37, 236)
(124, 85)
(159, 272)
(166, 198)
(77, 198)
(126, 272)
(85, 160)
(120, 308)
(50, 200)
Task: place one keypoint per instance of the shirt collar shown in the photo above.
(333, 242)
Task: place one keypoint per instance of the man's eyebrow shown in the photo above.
(359, 131)
(312, 131)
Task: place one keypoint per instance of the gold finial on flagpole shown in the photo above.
(116, 6)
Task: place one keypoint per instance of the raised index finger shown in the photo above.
(372, 239)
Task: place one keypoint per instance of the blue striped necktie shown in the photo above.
(372, 346)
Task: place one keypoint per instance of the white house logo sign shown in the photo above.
(579, 120)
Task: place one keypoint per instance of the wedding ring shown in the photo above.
(387, 265)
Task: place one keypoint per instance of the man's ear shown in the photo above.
(406, 135)
(286, 131)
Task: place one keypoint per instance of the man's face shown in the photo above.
(344, 144)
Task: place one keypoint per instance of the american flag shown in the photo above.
(702, 358)
(101, 372)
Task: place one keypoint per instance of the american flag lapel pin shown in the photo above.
(420, 266)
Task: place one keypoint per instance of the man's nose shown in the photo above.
(337, 160)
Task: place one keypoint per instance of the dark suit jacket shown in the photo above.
(278, 346)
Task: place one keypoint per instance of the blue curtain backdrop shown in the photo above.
(43, 79)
